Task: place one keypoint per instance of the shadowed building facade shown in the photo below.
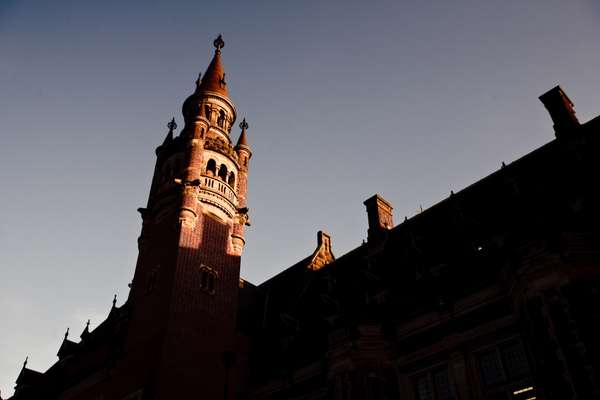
(493, 293)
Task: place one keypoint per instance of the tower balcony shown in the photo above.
(216, 192)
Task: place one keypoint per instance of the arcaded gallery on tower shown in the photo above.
(492, 293)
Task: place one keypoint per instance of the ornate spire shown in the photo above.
(172, 125)
(243, 141)
(214, 77)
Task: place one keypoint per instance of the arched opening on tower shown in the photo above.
(211, 167)
(208, 278)
(223, 172)
(207, 112)
(221, 119)
(231, 180)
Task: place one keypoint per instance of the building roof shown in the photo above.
(214, 77)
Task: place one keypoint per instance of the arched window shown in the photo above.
(207, 112)
(221, 119)
(211, 167)
(231, 179)
(223, 172)
(208, 277)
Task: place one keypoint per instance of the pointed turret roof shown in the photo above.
(86, 331)
(169, 138)
(27, 376)
(243, 140)
(214, 77)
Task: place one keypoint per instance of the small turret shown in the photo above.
(214, 77)
(243, 140)
(209, 111)
(86, 331)
(67, 347)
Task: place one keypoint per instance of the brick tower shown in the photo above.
(185, 290)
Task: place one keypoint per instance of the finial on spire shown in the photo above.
(172, 125)
(115, 301)
(169, 138)
(219, 43)
(199, 80)
(67, 334)
(25, 362)
(243, 141)
(86, 331)
(244, 125)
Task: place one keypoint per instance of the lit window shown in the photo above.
(504, 372)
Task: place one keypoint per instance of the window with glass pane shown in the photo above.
(491, 368)
(434, 385)
(424, 388)
(515, 360)
(442, 385)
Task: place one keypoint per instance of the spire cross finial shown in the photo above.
(172, 125)
(87, 324)
(219, 43)
(67, 334)
(115, 301)
(244, 125)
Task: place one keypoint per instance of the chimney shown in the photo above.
(561, 110)
(379, 212)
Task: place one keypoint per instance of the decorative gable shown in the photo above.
(322, 254)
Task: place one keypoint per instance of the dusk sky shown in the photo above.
(409, 99)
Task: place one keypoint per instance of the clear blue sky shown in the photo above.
(410, 99)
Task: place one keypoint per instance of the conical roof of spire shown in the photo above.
(214, 77)
(243, 140)
(169, 138)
